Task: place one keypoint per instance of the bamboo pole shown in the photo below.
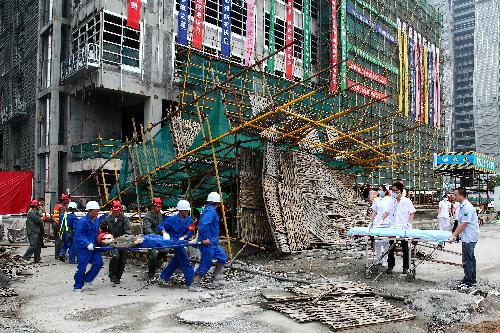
(104, 184)
(117, 180)
(152, 139)
(148, 174)
(131, 159)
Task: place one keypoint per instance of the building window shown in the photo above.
(44, 122)
(46, 60)
(47, 6)
(212, 10)
(279, 33)
(120, 44)
(297, 46)
(314, 49)
(88, 32)
(238, 17)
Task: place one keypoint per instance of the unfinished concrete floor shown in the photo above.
(49, 304)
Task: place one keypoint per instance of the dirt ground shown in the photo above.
(48, 304)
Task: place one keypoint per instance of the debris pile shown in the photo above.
(10, 266)
(338, 305)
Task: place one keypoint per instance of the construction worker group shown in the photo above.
(80, 240)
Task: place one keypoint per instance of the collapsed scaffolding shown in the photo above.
(284, 154)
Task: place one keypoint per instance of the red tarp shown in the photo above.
(15, 191)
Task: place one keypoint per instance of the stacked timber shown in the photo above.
(184, 132)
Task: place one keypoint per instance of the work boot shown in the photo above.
(218, 275)
(195, 285)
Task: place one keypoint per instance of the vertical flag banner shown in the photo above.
(343, 41)
(182, 22)
(438, 85)
(199, 9)
(426, 87)
(250, 38)
(225, 46)
(307, 39)
(270, 62)
(134, 14)
(429, 83)
(289, 40)
(412, 74)
(335, 55)
(400, 52)
(417, 76)
(406, 99)
(421, 80)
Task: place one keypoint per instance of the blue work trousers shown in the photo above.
(181, 260)
(67, 245)
(85, 257)
(469, 263)
(208, 253)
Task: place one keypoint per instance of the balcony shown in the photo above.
(91, 155)
(14, 111)
(79, 63)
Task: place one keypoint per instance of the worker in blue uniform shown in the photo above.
(85, 238)
(178, 227)
(208, 234)
(66, 233)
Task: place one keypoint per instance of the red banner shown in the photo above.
(15, 191)
(335, 56)
(134, 14)
(289, 40)
(366, 72)
(366, 91)
(199, 9)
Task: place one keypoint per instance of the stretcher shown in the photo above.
(413, 236)
(139, 248)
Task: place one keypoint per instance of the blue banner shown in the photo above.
(225, 46)
(387, 35)
(412, 75)
(182, 22)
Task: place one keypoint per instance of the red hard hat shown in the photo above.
(34, 203)
(64, 196)
(157, 202)
(117, 205)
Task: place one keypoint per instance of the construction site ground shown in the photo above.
(46, 302)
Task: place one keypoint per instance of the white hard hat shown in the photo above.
(92, 205)
(213, 197)
(183, 205)
(73, 205)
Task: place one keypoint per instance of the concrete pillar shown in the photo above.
(259, 33)
(152, 112)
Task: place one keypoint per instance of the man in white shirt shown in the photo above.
(403, 214)
(468, 229)
(380, 217)
(455, 211)
(444, 214)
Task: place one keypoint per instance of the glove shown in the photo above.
(182, 238)
(90, 247)
(192, 242)
(166, 236)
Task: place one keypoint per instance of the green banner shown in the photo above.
(372, 59)
(343, 44)
(307, 39)
(271, 50)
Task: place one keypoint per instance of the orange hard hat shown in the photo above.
(157, 202)
(117, 205)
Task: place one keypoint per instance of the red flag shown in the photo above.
(366, 91)
(199, 8)
(289, 40)
(134, 14)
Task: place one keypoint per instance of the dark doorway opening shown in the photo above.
(131, 113)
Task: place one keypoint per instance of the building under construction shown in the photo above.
(275, 104)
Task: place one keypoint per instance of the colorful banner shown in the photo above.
(199, 9)
(426, 87)
(343, 41)
(366, 91)
(417, 76)
(375, 26)
(421, 80)
(271, 49)
(372, 10)
(406, 98)
(307, 39)
(334, 46)
(429, 83)
(400, 78)
(250, 38)
(225, 46)
(412, 74)
(289, 40)
(182, 22)
(134, 14)
(438, 90)
(366, 72)
(367, 56)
